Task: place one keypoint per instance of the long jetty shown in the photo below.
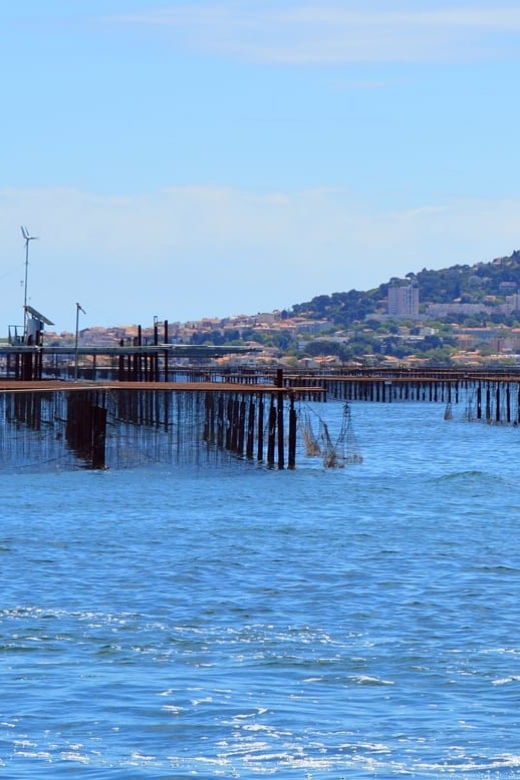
(163, 402)
(110, 423)
(492, 395)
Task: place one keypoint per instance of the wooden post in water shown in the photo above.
(241, 426)
(291, 454)
(99, 426)
(167, 403)
(220, 421)
(229, 423)
(86, 428)
(280, 421)
(235, 424)
(211, 421)
(250, 428)
(271, 432)
(260, 450)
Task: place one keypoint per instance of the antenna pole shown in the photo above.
(78, 309)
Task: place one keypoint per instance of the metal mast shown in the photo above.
(27, 238)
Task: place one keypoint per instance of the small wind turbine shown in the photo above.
(27, 238)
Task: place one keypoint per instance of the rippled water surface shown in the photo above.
(232, 621)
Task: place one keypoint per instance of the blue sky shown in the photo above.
(191, 159)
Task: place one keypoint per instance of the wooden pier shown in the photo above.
(148, 404)
(492, 396)
(105, 424)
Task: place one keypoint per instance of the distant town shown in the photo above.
(463, 315)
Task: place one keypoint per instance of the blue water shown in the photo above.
(230, 621)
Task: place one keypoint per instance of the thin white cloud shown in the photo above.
(189, 252)
(321, 33)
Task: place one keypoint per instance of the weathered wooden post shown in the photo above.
(260, 442)
(220, 421)
(229, 423)
(280, 421)
(291, 455)
(241, 426)
(99, 426)
(271, 432)
(250, 428)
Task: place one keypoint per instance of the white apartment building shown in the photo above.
(403, 301)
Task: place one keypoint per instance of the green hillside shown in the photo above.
(486, 283)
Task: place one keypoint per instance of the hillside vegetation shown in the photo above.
(467, 314)
(484, 283)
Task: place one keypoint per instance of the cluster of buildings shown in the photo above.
(265, 329)
(403, 303)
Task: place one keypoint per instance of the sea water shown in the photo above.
(239, 622)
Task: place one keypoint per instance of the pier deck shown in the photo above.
(8, 386)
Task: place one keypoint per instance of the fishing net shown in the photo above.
(310, 440)
(335, 452)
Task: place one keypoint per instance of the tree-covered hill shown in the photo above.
(461, 283)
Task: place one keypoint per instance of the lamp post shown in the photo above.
(78, 309)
